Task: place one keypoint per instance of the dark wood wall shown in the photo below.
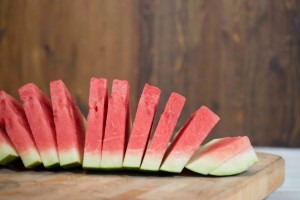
(240, 58)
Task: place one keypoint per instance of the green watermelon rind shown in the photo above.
(170, 167)
(111, 161)
(150, 165)
(7, 154)
(71, 165)
(31, 158)
(110, 168)
(131, 162)
(201, 166)
(89, 161)
(70, 159)
(238, 164)
(8, 158)
(50, 159)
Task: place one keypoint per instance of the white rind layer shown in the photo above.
(30, 158)
(69, 158)
(131, 161)
(7, 152)
(205, 164)
(150, 163)
(237, 164)
(174, 162)
(49, 157)
(91, 160)
(111, 161)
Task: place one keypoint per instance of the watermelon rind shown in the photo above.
(49, 159)
(204, 160)
(9, 158)
(202, 167)
(70, 158)
(111, 162)
(91, 161)
(31, 159)
(7, 154)
(150, 164)
(131, 162)
(237, 164)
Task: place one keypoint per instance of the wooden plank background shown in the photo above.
(240, 58)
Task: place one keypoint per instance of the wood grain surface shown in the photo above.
(257, 183)
(240, 58)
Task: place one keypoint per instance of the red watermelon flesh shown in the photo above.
(8, 153)
(116, 129)
(38, 110)
(159, 142)
(13, 118)
(189, 139)
(141, 126)
(95, 123)
(214, 154)
(69, 125)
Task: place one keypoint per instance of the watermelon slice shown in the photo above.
(8, 153)
(69, 125)
(159, 142)
(117, 125)
(13, 118)
(95, 123)
(38, 110)
(214, 154)
(189, 139)
(237, 164)
(141, 127)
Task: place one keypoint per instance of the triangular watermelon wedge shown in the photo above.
(38, 110)
(13, 118)
(215, 153)
(189, 139)
(8, 153)
(117, 126)
(95, 123)
(69, 125)
(163, 132)
(141, 127)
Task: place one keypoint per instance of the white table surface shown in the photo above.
(291, 186)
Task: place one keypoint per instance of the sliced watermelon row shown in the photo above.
(53, 132)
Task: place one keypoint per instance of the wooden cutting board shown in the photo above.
(257, 183)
